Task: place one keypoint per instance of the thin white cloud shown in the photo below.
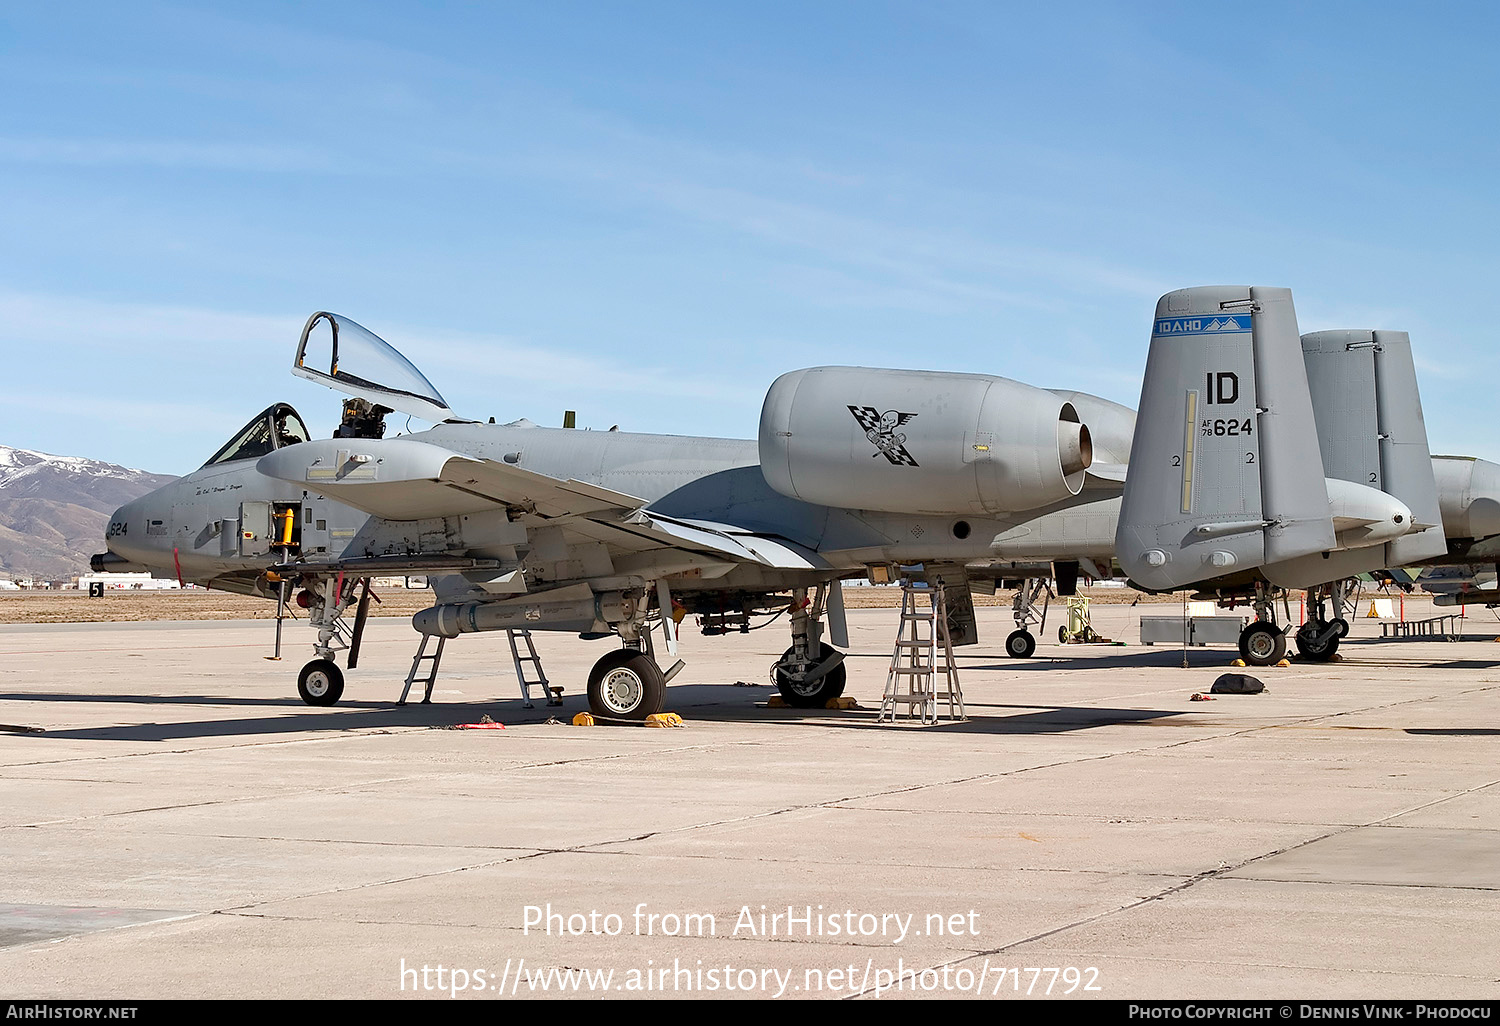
(47, 320)
(505, 361)
(175, 153)
(458, 362)
(115, 411)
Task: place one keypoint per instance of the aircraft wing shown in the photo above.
(399, 479)
(402, 479)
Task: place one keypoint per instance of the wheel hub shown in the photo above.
(801, 685)
(317, 684)
(622, 690)
(793, 674)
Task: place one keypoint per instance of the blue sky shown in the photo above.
(647, 211)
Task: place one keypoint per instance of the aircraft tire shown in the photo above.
(1020, 644)
(817, 694)
(1343, 626)
(1262, 644)
(321, 682)
(1307, 645)
(626, 685)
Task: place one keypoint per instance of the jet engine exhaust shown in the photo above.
(1074, 447)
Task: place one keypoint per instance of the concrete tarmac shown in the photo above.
(182, 826)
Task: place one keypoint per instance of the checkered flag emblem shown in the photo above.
(880, 428)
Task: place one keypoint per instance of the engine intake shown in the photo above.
(923, 442)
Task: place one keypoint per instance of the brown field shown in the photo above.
(77, 607)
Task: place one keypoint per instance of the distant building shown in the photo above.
(127, 582)
(398, 582)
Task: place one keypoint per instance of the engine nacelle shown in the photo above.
(920, 441)
(1468, 496)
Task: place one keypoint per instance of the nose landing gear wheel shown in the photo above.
(626, 685)
(814, 694)
(321, 682)
(1261, 644)
(1020, 644)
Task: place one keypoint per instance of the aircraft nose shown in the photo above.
(124, 539)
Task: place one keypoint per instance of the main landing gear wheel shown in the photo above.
(321, 682)
(1020, 644)
(626, 685)
(1343, 626)
(1309, 647)
(1261, 644)
(810, 694)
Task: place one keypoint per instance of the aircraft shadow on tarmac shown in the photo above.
(299, 719)
(1365, 652)
(716, 703)
(1043, 661)
(289, 703)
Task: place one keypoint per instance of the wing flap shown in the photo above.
(739, 545)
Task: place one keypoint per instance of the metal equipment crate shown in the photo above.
(1192, 630)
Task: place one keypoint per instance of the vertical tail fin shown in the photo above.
(1225, 472)
(1380, 443)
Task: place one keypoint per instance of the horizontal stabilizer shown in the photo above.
(1106, 474)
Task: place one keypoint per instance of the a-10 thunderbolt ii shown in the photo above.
(595, 532)
(608, 533)
(1264, 461)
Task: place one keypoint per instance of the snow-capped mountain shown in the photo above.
(54, 509)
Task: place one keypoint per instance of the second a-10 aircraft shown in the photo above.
(1260, 463)
(608, 534)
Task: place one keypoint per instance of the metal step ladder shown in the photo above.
(554, 695)
(432, 671)
(922, 672)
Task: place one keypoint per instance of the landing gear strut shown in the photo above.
(811, 673)
(1318, 639)
(628, 683)
(321, 682)
(1263, 643)
(1030, 606)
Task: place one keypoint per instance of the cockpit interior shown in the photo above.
(275, 427)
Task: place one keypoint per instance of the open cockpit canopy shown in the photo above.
(337, 352)
(275, 427)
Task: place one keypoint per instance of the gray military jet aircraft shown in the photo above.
(609, 533)
(1264, 460)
